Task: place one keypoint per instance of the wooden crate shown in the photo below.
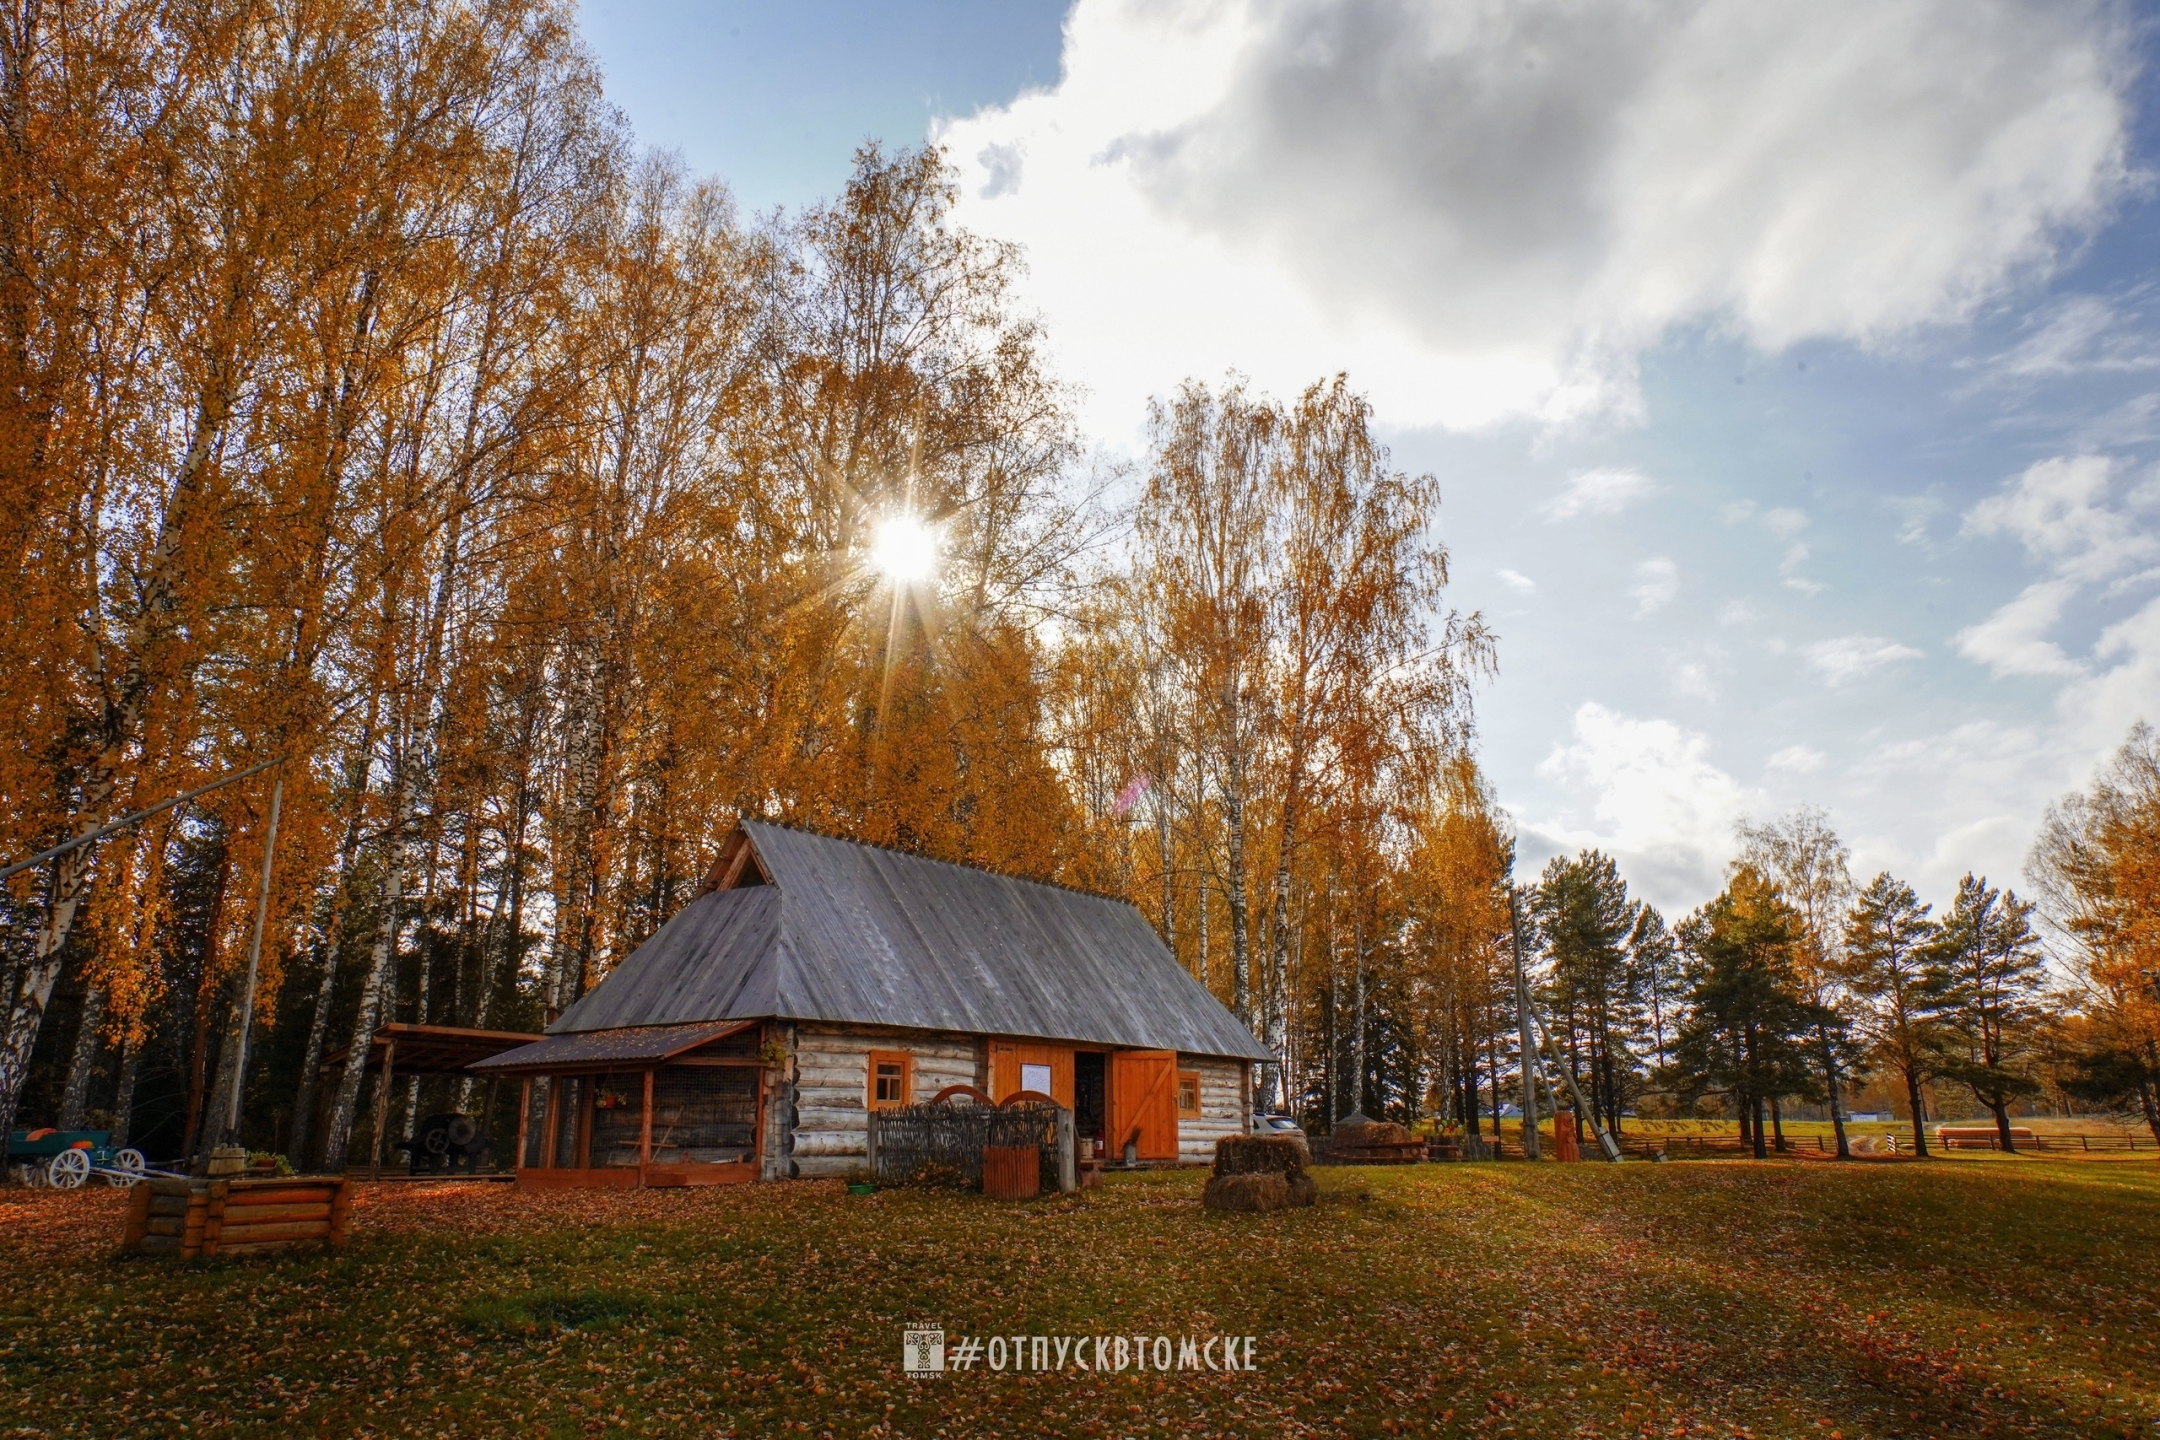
(201, 1218)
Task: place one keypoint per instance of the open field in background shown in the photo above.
(2044, 1125)
(2074, 1137)
(1985, 1295)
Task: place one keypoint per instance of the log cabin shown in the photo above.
(813, 980)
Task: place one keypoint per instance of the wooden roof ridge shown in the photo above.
(936, 859)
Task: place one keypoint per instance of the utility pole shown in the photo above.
(247, 999)
(1522, 1022)
(1582, 1107)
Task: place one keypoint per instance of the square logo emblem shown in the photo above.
(922, 1352)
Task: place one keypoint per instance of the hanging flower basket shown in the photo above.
(610, 1100)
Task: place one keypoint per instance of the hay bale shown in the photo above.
(1360, 1141)
(1260, 1173)
(1249, 1192)
(1260, 1155)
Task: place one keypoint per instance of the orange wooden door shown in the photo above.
(1010, 1062)
(1143, 1103)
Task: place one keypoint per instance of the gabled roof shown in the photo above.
(855, 934)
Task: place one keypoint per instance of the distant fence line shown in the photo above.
(1680, 1147)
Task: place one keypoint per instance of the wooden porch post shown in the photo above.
(524, 1120)
(581, 1137)
(757, 1131)
(382, 1107)
(644, 1139)
(553, 1126)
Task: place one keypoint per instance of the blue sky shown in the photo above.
(1792, 373)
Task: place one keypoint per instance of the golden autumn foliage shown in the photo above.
(2097, 863)
(372, 404)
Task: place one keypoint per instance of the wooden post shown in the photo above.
(517, 1161)
(870, 1145)
(1068, 1167)
(644, 1139)
(382, 1105)
(757, 1131)
(553, 1126)
(138, 1217)
(191, 1226)
(214, 1216)
(340, 1212)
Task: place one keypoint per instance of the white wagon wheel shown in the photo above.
(68, 1169)
(127, 1167)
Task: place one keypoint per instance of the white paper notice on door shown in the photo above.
(1036, 1078)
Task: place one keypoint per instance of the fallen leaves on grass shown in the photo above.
(1644, 1300)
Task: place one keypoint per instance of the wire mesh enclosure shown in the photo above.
(704, 1114)
(569, 1108)
(909, 1140)
(618, 1120)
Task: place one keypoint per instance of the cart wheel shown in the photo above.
(67, 1170)
(131, 1160)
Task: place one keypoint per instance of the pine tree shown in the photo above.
(1889, 963)
(1747, 1021)
(1987, 965)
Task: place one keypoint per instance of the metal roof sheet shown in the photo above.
(431, 1049)
(640, 1043)
(856, 934)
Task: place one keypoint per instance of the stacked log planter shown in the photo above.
(200, 1218)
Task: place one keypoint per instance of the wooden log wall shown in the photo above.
(832, 1076)
(777, 1161)
(194, 1218)
(1222, 1108)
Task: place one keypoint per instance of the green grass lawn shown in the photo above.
(1965, 1297)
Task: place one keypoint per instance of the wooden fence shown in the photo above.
(1684, 1147)
(909, 1140)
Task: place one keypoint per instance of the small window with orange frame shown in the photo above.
(1188, 1095)
(892, 1079)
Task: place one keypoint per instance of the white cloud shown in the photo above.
(2070, 514)
(1784, 522)
(1598, 492)
(1851, 657)
(1736, 612)
(2078, 334)
(2104, 706)
(1656, 582)
(1694, 680)
(1789, 570)
(1654, 799)
(1915, 511)
(1516, 580)
(1488, 209)
(1798, 759)
(2011, 641)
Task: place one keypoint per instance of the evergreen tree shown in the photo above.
(1986, 964)
(1888, 939)
(1747, 1023)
